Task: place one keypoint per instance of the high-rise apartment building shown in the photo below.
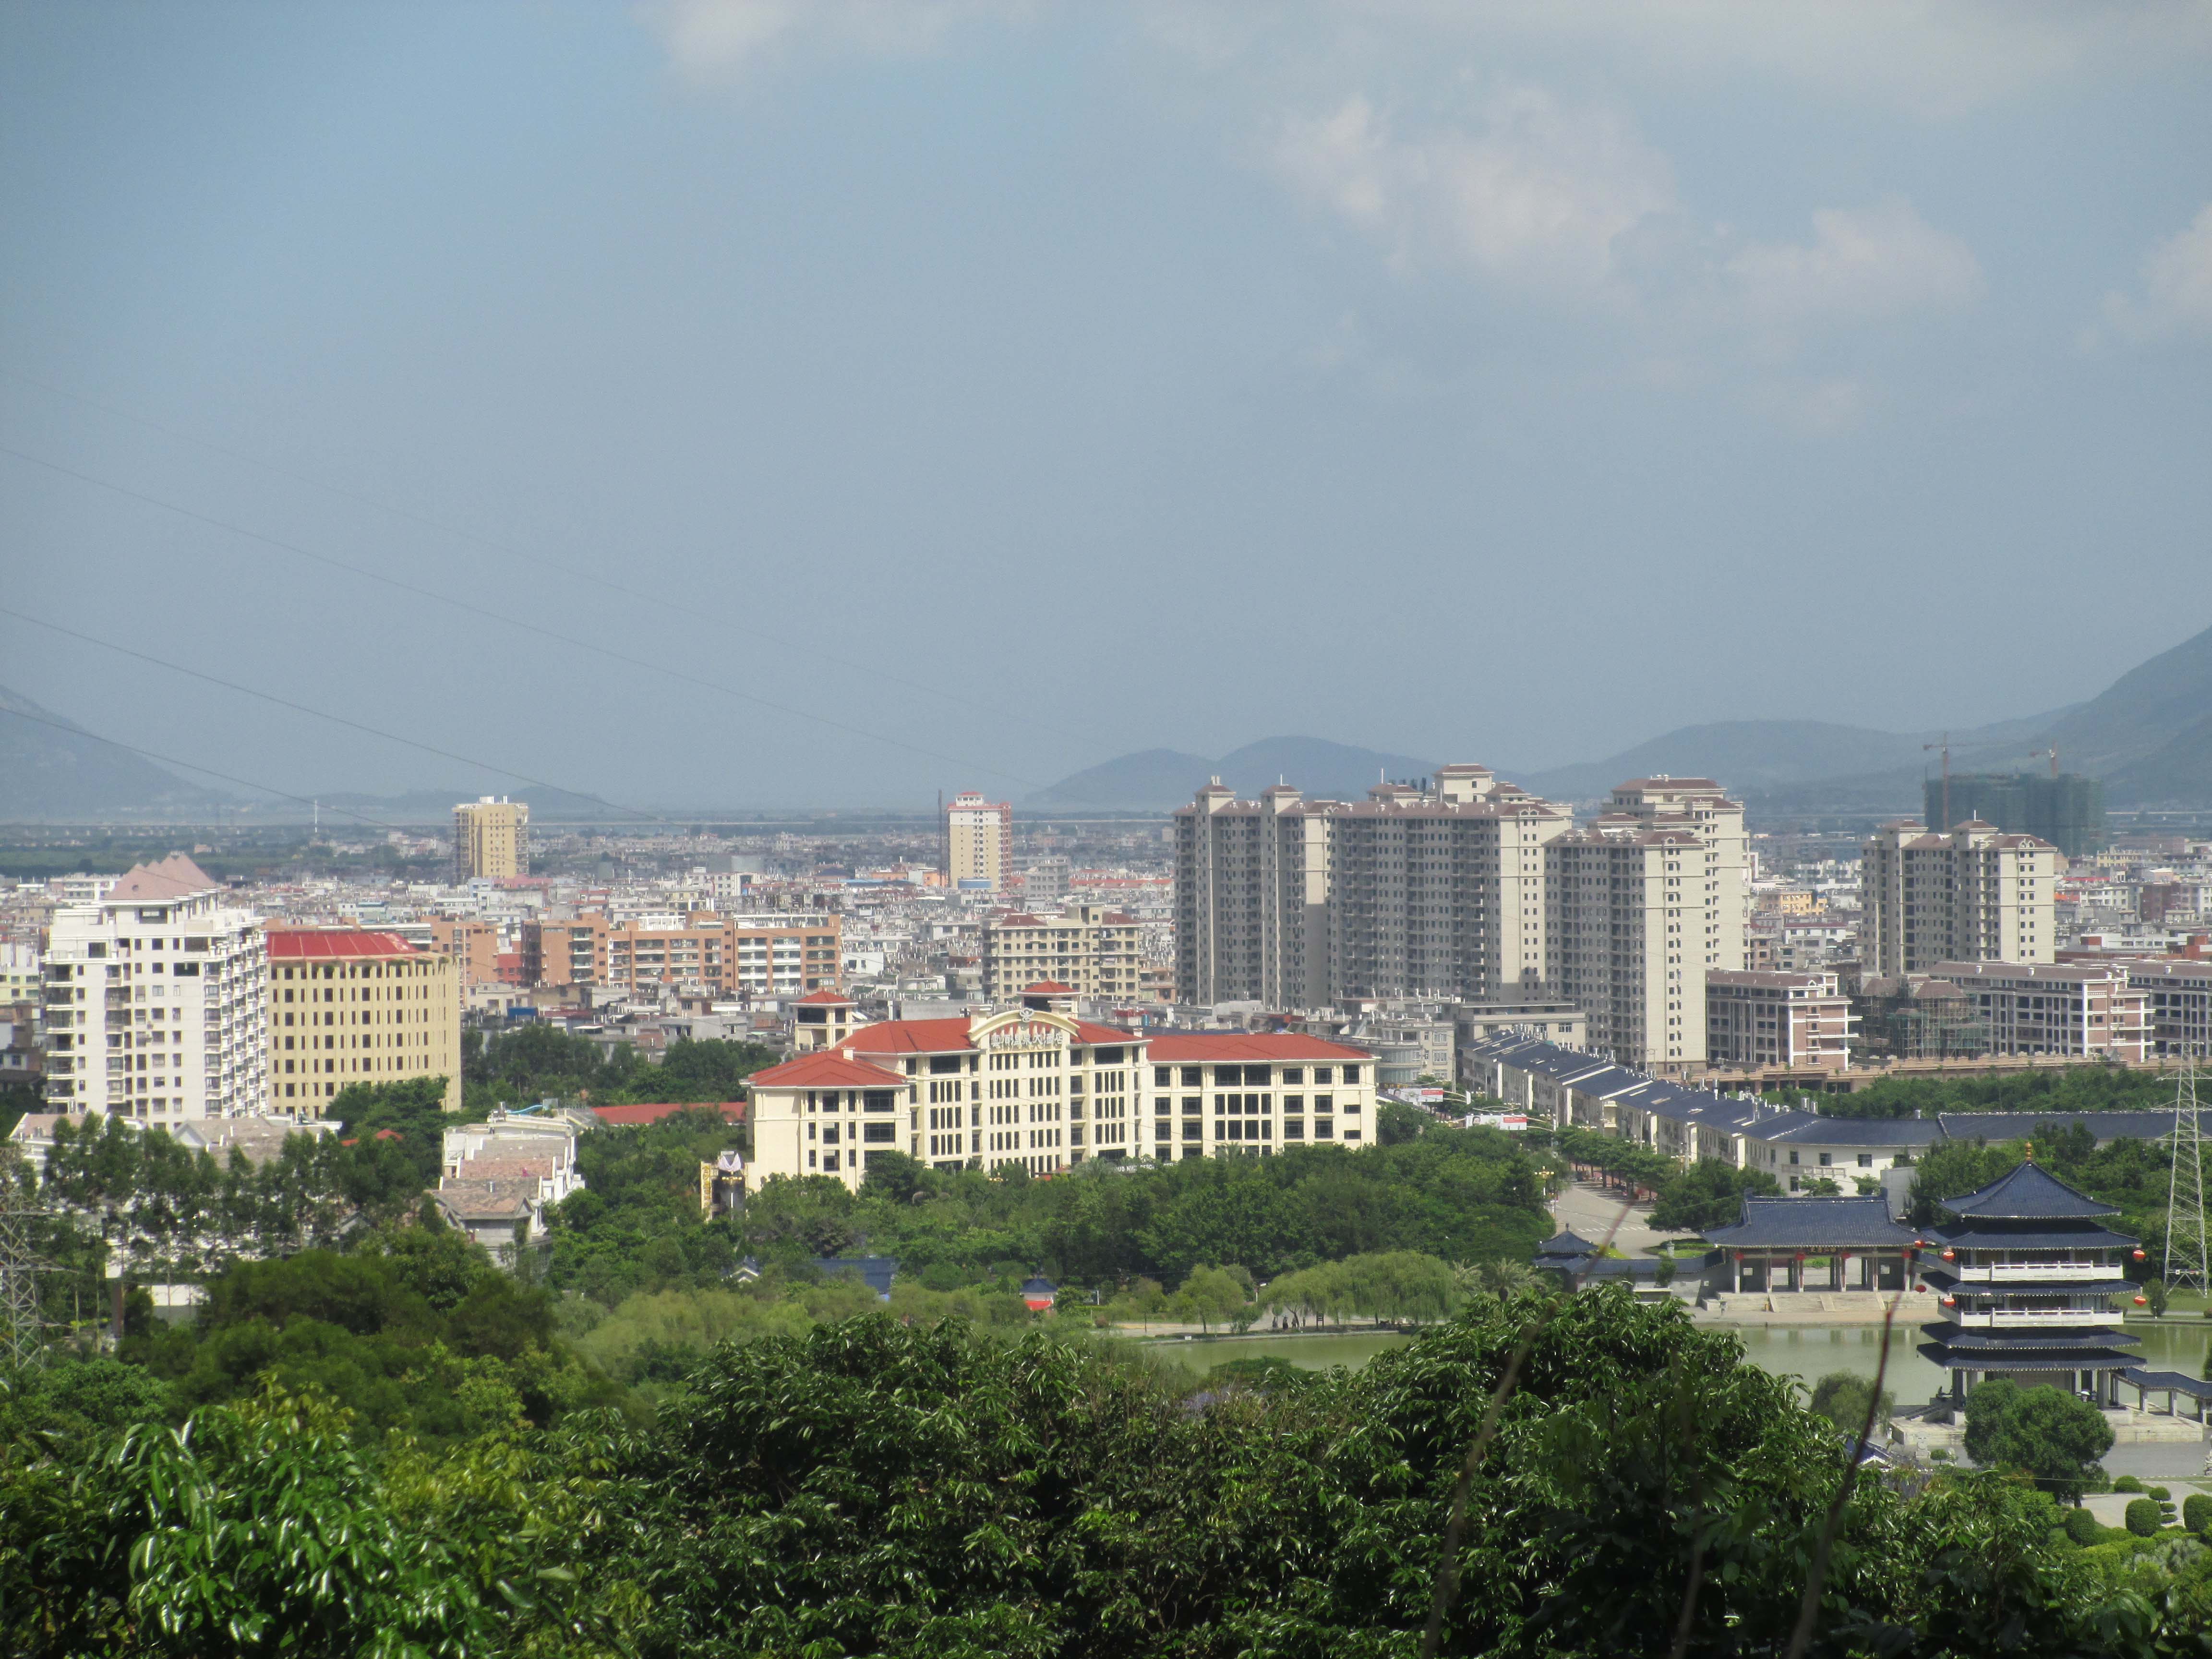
(1974, 895)
(2066, 810)
(154, 1000)
(1703, 807)
(1630, 915)
(979, 843)
(346, 1005)
(1090, 950)
(491, 838)
(1434, 891)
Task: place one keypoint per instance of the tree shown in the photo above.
(1709, 1194)
(2154, 1293)
(1842, 1397)
(2050, 1436)
(1395, 1122)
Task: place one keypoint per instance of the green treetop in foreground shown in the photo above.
(874, 1487)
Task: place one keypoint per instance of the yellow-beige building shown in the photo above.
(979, 843)
(491, 838)
(1977, 894)
(1091, 950)
(351, 1007)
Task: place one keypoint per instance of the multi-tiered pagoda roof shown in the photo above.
(2027, 1268)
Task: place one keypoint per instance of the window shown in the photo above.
(1866, 1160)
(879, 1131)
(1825, 1160)
(1192, 1076)
(1163, 1077)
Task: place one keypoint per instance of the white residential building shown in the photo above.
(154, 1000)
(1974, 895)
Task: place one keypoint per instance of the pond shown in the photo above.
(1813, 1351)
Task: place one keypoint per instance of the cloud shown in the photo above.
(1536, 198)
(1866, 265)
(709, 39)
(2176, 301)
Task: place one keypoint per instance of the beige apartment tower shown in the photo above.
(1089, 950)
(979, 843)
(347, 1005)
(1631, 913)
(1975, 895)
(491, 838)
(1702, 807)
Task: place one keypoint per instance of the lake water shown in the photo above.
(1809, 1352)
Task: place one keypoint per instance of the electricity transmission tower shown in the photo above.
(22, 1333)
(2185, 1263)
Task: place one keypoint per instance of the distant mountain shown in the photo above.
(1156, 780)
(2148, 734)
(1742, 754)
(52, 769)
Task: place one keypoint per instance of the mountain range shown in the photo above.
(2147, 736)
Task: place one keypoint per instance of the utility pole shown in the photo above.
(1944, 828)
(2185, 1263)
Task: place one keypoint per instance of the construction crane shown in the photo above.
(1944, 828)
(2050, 754)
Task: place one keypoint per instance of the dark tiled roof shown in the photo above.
(2196, 1388)
(1973, 1236)
(2029, 1193)
(1565, 1242)
(1946, 1279)
(2009, 1342)
(1942, 1356)
(1811, 1223)
(1860, 1132)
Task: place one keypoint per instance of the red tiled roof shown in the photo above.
(623, 1117)
(333, 942)
(1048, 988)
(949, 1036)
(825, 998)
(830, 1069)
(1234, 1046)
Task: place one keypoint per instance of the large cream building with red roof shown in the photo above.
(347, 1005)
(1033, 1085)
(153, 1000)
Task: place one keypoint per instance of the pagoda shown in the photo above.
(2026, 1272)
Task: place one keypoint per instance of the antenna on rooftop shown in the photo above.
(2185, 1262)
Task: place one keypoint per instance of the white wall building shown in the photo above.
(154, 1000)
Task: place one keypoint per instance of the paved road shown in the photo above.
(1590, 1211)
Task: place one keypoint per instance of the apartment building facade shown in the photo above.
(1703, 807)
(1630, 914)
(491, 839)
(1220, 1093)
(2178, 1003)
(1027, 1087)
(349, 1006)
(1761, 1019)
(979, 843)
(473, 947)
(1431, 892)
(1091, 950)
(1975, 894)
(154, 1000)
(723, 957)
(2084, 1009)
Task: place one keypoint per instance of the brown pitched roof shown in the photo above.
(175, 876)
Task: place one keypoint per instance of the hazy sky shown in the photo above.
(1027, 383)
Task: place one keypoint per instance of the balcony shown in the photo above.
(2037, 1319)
(2032, 1273)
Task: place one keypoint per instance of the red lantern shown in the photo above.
(1950, 1301)
(1950, 1255)
(2139, 1256)
(2140, 1301)
(1739, 1255)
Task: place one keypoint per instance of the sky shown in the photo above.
(752, 403)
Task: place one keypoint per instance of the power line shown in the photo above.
(554, 635)
(206, 771)
(322, 715)
(377, 504)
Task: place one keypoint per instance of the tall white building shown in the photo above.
(1630, 929)
(1702, 807)
(154, 1000)
(1975, 895)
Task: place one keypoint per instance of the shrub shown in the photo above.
(1938, 1455)
(2082, 1528)
(2196, 1512)
(2161, 1493)
(2127, 1483)
(2143, 1517)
